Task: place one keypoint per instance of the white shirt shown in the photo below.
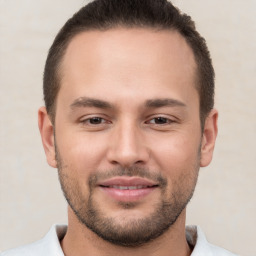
(50, 245)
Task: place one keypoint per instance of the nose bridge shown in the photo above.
(127, 147)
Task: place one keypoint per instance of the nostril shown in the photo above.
(139, 162)
(114, 162)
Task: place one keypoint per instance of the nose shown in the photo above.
(127, 147)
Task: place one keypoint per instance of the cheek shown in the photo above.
(82, 154)
(177, 154)
(179, 163)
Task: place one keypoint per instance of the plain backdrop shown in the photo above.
(224, 203)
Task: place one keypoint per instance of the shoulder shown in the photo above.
(36, 249)
(28, 250)
(220, 251)
(202, 247)
(49, 245)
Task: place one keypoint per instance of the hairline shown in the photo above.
(58, 75)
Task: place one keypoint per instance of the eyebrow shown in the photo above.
(158, 103)
(83, 102)
(90, 102)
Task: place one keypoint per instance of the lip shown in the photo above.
(127, 181)
(127, 189)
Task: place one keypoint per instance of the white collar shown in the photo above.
(50, 244)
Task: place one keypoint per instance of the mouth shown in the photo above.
(127, 189)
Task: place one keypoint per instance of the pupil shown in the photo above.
(161, 120)
(95, 120)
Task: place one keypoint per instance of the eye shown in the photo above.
(94, 121)
(160, 120)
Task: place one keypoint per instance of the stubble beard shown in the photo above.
(129, 232)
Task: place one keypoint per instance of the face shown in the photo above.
(128, 140)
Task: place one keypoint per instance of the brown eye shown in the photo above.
(160, 120)
(95, 120)
(95, 123)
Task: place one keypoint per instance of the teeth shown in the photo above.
(127, 187)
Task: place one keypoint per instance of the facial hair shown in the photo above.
(130, 232)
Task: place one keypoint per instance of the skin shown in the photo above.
(126, 68)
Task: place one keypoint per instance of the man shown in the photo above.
(128, 122)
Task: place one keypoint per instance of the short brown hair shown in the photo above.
(107, 14)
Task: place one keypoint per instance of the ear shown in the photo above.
(209, 137)
(47, 135)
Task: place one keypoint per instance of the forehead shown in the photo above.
(120, 58)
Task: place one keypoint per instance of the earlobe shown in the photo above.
(209, 138)
(47, 135)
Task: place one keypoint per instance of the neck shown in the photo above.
(79, 240)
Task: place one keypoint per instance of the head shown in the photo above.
(128, 90)
(103, 15)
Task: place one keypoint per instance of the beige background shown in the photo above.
(224, 204)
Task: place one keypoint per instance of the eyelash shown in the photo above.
(85, 121)
(164, 120)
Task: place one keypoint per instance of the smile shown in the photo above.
(127, 189)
